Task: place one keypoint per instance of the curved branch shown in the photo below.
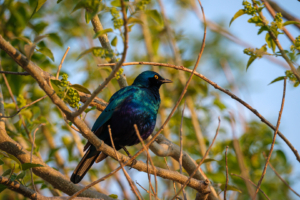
(222, 90)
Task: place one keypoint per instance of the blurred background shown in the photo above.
(167, 32)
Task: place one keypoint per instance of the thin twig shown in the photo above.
(133, 187)
(61, 62)
(225, 189)
(148, 191)
(170, 169)
(31, 154)
(273, 142)
(19, 110)
(245, 179)
(200, 163)
(148, 157)
(181, 147)
(278, 175)
(15, 73)
(115, 70)
(216, 86)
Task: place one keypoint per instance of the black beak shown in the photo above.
(166, 81)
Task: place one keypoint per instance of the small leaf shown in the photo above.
(132, 20)
(88, 16)
(290, 22)
(29, 50)
(114, 41)
(206, 160)
(263, 28)
(115, 3)
(114, 196)
(154, 14)
(250, 61)
(88, 51)
(79, 5)
(277, 79)
(230, 187)
(21, 175)
(2, 187)
(39, 38)
(270, 42)
(6, 172)
(11, 157)
(236, 15)
(89, 109)
(81, 88)
(47, 52)
(55, 38)
(23, 39)
(58, 1)
(99, 33)
(39, 4)
(26, 166)
(1, 162)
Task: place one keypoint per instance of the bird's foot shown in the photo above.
(134, 161)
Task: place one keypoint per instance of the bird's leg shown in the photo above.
(130, 156)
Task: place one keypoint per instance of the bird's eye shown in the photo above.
(156, 77)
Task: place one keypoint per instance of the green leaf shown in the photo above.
(99, 33)
(114, 196)
(23, 39)
(114, 41)
(21, 175)
(88, 51)
(263, 28)
(26, 166)
(270, 42)
(154, 14)
(230, 187)
(2, 187)
(6, 172)
(58, 1)
(88, 16)
(115, 3)
(236, 15)
(250, 61)
(79, 5)
(11, 157)
(1, 162)
(39, 4)
(47, 52)
(206, 160)
(56, 39)
(132, 20)
(29, 50)
(290, 22)
(89, 109)
(277, 79)
(81, 88)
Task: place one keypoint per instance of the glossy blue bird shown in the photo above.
(136, 104)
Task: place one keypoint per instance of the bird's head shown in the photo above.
(150, 79)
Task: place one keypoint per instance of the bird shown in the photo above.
(135, 104)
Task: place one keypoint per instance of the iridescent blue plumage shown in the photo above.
(136, 104)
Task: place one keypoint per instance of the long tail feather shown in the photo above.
(85, 164)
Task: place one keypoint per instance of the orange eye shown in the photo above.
(156, 77)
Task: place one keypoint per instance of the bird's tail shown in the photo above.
(85, 164)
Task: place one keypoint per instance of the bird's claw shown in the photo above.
(134, 161)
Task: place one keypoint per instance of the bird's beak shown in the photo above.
(166, 81)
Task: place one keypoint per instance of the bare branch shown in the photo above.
(61, 62)
(181, 147)
(273, 142)
(226, 164)
(133, 187)
(200, 163)
(216, 86)
(15, 73)
(251, 183)
(278, 175)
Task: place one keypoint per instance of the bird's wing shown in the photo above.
(114, 104)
